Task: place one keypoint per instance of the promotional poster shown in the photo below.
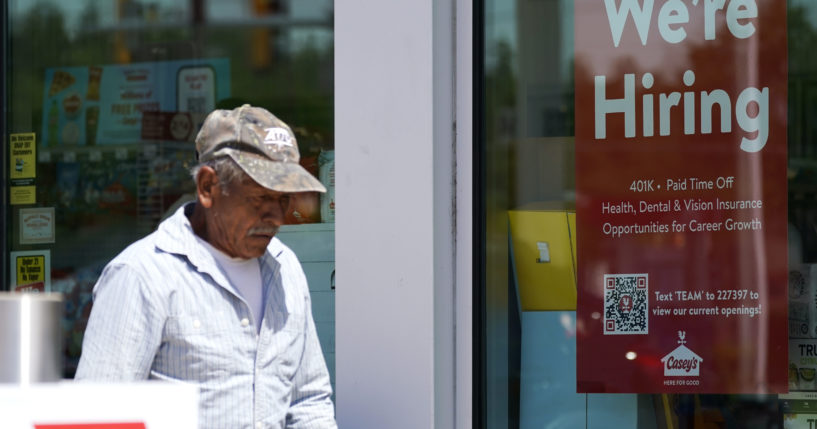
(102, 105)
(681, 196)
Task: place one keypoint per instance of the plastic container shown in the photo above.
(30, 337)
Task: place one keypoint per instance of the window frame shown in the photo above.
(3, 154)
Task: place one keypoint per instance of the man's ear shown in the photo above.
(207, 185)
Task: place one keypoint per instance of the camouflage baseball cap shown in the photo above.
(260, 143)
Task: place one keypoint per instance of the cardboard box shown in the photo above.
(803, 365)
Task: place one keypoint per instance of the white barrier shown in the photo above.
(80, 405)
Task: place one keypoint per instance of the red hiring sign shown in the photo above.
(681, 195)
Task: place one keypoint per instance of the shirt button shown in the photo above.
(196, 324)
(246, 322)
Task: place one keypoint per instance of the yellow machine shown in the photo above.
(544, 254)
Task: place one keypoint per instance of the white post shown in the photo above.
(403, 189)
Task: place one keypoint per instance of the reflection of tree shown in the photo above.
(39, 39)
(500, 126)
(802, 38)
(297, 87)
(500, 94)
(802, 129)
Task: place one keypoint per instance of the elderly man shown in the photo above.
(212, 297)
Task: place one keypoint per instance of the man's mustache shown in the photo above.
(263, 230)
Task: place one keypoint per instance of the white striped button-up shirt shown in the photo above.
(164, 310)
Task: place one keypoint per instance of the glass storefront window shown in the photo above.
(112, 94)
(528, 325)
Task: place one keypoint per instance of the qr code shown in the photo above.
(626, 304)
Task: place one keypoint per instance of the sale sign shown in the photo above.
(681, 196)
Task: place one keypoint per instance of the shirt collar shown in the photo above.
(175, 235)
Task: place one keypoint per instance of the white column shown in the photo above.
(463, 299)
(403, 317)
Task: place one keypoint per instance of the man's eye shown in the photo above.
(262, 199)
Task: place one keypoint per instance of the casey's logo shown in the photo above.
(682, 362)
